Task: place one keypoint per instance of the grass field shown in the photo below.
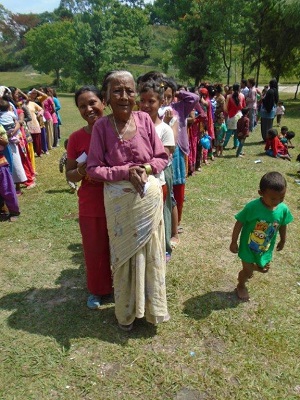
(213, 348)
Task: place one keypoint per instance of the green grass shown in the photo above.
(26, 79)
(214, 347)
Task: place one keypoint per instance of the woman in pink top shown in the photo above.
(235, 102)
(49, 92)
(126, 153)
(49, 110)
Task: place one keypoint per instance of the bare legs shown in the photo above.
(244, 275)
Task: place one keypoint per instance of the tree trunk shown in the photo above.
(295, 97)
(243, 62)
(228, 74)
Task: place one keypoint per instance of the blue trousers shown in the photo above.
(228, 136)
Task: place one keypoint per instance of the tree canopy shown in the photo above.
(208, 39)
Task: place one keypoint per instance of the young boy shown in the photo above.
(280, 109)
(243, 125)
(259, 222)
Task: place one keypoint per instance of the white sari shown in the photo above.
(137, 250)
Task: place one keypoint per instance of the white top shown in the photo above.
(165, 133)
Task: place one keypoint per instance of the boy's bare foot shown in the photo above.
(242, 293)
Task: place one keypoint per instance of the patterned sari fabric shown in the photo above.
(137, 246)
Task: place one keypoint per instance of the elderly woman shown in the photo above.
(126, 154)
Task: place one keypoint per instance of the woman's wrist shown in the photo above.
(80, 173)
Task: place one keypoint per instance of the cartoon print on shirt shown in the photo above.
(260, 239)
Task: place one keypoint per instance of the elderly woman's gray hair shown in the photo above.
(109, 77)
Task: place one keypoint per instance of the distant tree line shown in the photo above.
(82, 39)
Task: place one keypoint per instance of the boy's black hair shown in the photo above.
(66, 143)
(284, 129)
(274, 181)
(245, 111)
(272, 133)
(170, 83)
(290, 135)
(154, 75)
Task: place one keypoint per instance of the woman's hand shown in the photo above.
(138, 178)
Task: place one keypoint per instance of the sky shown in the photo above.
(34, 6)
(28, 6)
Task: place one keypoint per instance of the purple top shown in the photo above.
(184, 106)
(109, 158)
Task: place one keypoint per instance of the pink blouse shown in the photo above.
(49, 108)
(109, 158)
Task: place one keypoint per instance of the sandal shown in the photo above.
(180, 229)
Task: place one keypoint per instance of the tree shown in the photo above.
(204, 40)
(193, 50)
(170, 11)
(50, 47)
(107, 38)
(12, 30)
(281, 39)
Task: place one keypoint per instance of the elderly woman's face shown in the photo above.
(122, 96)
(90, 107)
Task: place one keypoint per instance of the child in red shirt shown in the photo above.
(242, 130)
(274, 147)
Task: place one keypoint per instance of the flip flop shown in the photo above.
(180, 229)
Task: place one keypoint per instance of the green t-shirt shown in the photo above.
(260, 227)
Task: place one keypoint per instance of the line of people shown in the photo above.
(29, 127)
(133, 164)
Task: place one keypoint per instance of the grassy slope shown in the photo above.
(214, 347)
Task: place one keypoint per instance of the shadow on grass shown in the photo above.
(200, 307)
(61, 313)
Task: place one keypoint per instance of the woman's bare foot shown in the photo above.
(242, 293)
(174, 242)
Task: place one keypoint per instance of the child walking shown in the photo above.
(280, 110)
(243, 125)
(258, 223)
